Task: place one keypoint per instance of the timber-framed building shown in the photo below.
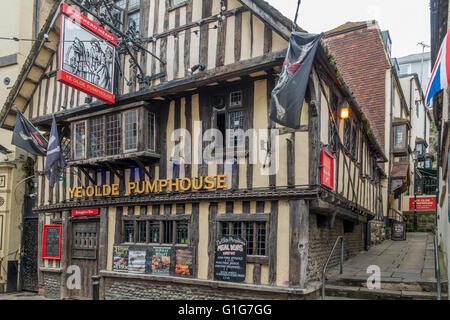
(150, 198)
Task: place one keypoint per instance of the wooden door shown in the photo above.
(84, 254)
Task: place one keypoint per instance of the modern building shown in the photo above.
(18, 228)
(418, 63)
(363, 57)
(149, 219)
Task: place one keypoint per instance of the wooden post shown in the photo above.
(212, 238)
(273, 230)
(65, 253)
(299, 242)
(103, 247)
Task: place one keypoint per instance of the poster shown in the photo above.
(137, 261)
(161, 261)
(398, 231)
(87, 55)
(231, 259)
(183, 262)
(423, 204)
(120, 258)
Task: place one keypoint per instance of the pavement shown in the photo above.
(21, 296)
(400, 261)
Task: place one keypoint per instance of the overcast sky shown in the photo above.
(408, 21)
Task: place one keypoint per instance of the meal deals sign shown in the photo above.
(86, 55)
(152, 187)
(423, 204)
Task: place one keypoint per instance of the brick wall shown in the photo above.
(321, 241)
(52, 283)
(140, 289)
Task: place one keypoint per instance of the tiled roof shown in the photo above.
(361, 58)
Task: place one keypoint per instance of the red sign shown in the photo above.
(327, 170)
(51, 242)
(87, 54)
(423, 204)
(84, 212)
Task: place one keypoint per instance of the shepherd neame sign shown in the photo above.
(150, 187)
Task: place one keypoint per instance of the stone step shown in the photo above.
(378, 294)
(392, 284)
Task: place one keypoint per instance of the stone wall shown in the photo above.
(52, 283)
(322, 239)
(150, 288)
(377, 232)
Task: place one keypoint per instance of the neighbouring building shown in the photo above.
(418, 63)
(363, 56)
(18, 227)
(133, 210)
(439, 27)
(422, 206)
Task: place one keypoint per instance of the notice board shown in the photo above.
(51, 246)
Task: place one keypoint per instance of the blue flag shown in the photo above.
(55, 162)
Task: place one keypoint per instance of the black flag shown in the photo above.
(289, 93)
(27, 137)
(55, 162)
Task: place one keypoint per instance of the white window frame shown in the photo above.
(124, 130)
(75, 157)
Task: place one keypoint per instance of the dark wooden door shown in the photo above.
(84, 254)
(30, 254)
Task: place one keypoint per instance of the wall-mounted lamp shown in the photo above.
(200, 67)
(344, 113)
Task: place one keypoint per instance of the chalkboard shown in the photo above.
(51, 248)
(398, 231)
(231, 259)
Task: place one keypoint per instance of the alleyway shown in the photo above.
(407, 269)
(410, 260)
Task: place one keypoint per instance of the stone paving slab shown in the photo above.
(21, 296)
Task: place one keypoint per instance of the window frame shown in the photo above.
(124, 130)
(86, 142)
(155, 129)
(171, 6)
(404, 137)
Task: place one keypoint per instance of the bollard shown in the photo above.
(95, 287)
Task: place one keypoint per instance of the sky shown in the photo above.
(408, 21)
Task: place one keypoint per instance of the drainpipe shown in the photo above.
(390, 151)
(36, 18)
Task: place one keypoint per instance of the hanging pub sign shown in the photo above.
(231, 259)
(51, 242)
(327, 170)
(86, 56)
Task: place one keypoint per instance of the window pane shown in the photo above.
(182, 232)
(168, 231)
(80, 140)
(151, 131)
(261, 239)
(236, 98)
(177, 2)
(237, 229)
(97, 137)
(131, 130)
(398, 140)
(142, 229)
(121, 4)
(129, 231)
(224, 229)
(154, 231)
(236, 123)
(113, 130)
(134, 18)
(249, 238)
(133, 3)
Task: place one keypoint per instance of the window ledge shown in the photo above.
(123, 156)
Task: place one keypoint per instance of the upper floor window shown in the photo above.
(134, 19)
(173, 4)
(235, 98)
(400, 137)
(113, 134)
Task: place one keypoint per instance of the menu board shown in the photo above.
(398, 231)
(51, 248)
(231, 259)
(161, 261)
(120, 258)
(183, 259)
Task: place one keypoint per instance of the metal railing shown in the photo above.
(324, 271)
(437, 267)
